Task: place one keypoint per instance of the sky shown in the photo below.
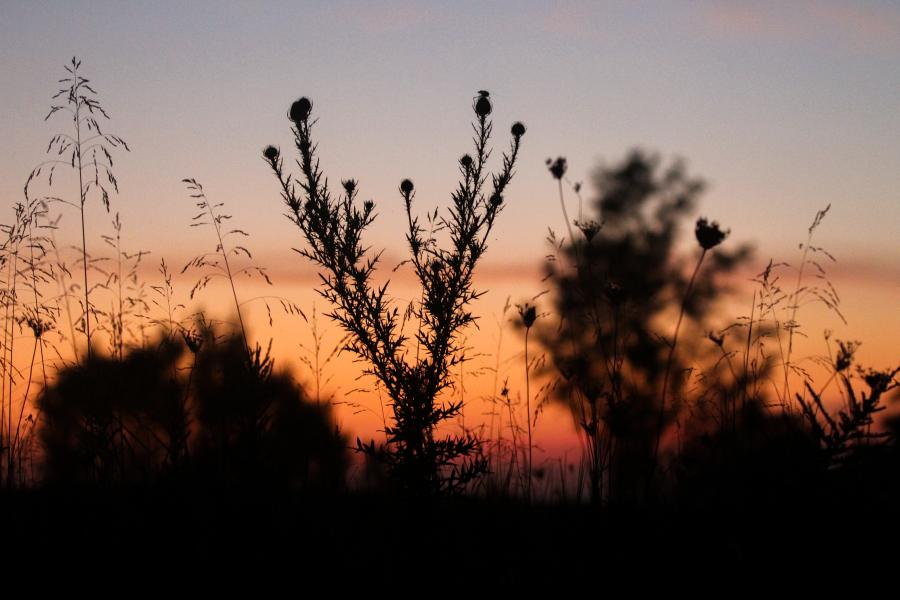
(783, 108)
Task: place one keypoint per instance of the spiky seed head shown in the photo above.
(271, 153)
(349, 186)
(466, 161)
(406, 186)
(518, 129)
(300, 110)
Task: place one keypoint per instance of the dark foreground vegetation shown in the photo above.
(709, 445)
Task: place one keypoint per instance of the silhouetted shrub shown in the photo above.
(224, 418)
(255, 424)
(419, 461)
(616, 282)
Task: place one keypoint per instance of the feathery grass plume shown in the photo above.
(87, 150)
(217, 263)
(129, 303)
(420, 462)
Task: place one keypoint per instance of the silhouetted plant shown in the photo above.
(217, 262)
(614, 286)
(88, 151)
(333, 226)
(255, 424)
(23, 271)
(708, 237)
(229, 420)
(528, 315)
(108, 420)
(129, 305)
(842, 433)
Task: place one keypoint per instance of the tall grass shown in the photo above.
(87, 150)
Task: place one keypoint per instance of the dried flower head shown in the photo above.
(271, 153)
(709, 235)
(349, 186)
(406, 186)
(496, 200)
(300, 110)
(557, 167)
(518, 129)
(528, 314)
(846, 351)
(589, 229)
(466, 161)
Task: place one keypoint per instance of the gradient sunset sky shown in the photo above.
(782, 107)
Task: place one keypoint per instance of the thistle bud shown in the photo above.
(466, 161)
(271, 153)
(518, 129)
(482, 104)
(300, 110)
(349, 186)
(406, 186)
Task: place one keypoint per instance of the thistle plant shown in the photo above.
(87, 150)
(419, 460)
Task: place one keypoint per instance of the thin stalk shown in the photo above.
(83, 198)
(528, 405)
(237, 305)
(665, 387)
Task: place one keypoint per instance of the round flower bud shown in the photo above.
(271, 153)
(466, 161)
(483, 106)
(518, 129)
(300, 110)
(406, 186)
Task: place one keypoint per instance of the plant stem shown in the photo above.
(665, 388)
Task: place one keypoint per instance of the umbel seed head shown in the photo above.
(518, 129)
(406, 186)
(709, 235)
(271, 153)
(300, 110)
(557, 167)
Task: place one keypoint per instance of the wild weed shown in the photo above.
(332, 228)
(87, 150)
(217, 263)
